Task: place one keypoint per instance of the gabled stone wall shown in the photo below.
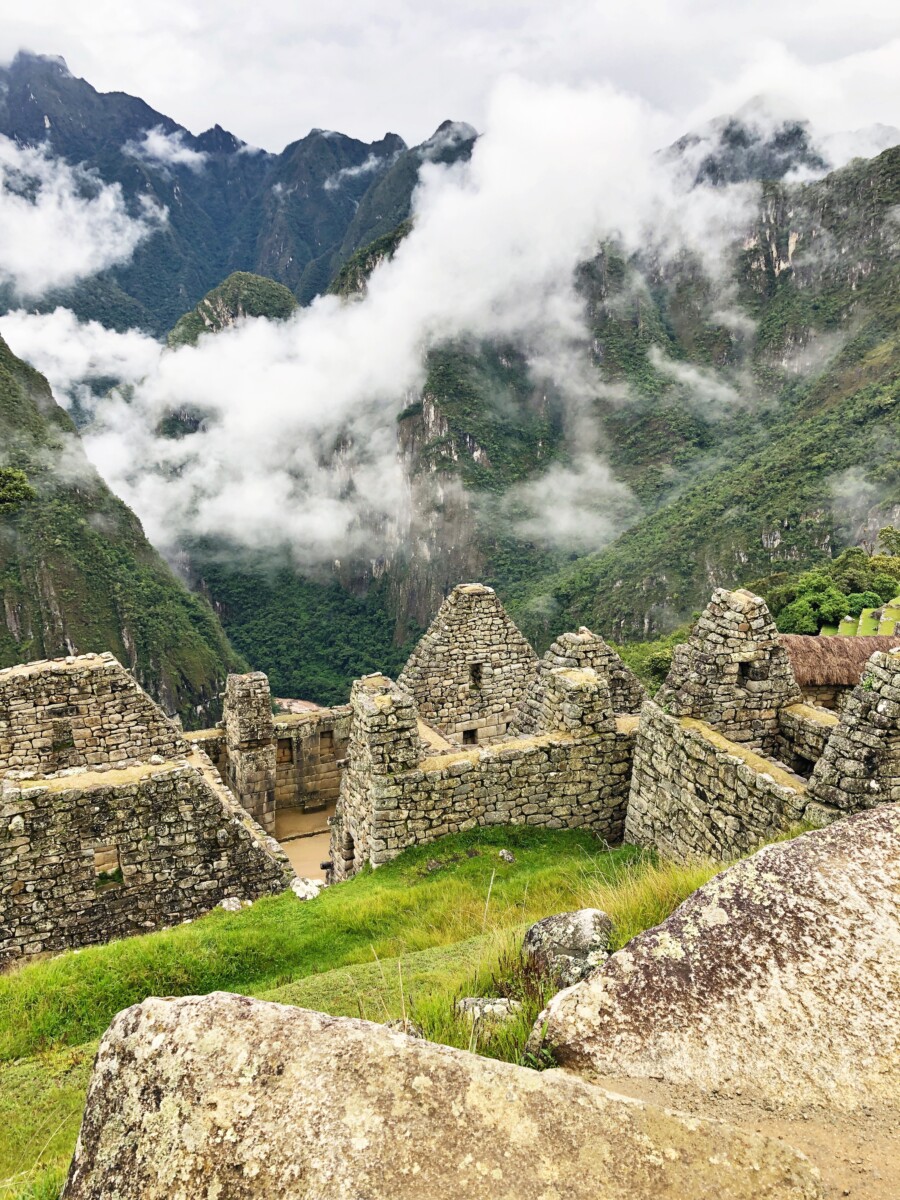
(573, 773)
(82, 711)
(582, 650)
(860, 765)
(733, 673)
(472, 668)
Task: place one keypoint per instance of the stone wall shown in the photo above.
(803, 733)
(170, 839)
(472, 668)
(696, 793)
(582, 650)
(572, 774)
(250, 743)
(311, 748)
(80, 711)
(733, 673)
(860, 766)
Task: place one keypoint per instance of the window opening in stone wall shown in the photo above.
(470, 737)
(107, 866)
(744, 675)
(475, 674)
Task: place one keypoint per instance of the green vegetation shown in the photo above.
(77, 570)
(440, 922)
(312, 639)
(848, 585)
(15, 490)
(242, 294)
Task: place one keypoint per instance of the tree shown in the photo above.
(889, 537)
(15, 490)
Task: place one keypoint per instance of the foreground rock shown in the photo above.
(779, 979)
(569, 946)
(230, 1098)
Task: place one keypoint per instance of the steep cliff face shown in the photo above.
(77, 573)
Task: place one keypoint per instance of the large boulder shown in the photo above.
(780, 978)
(227, 1098)
(569, 946)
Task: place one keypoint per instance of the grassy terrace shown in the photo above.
(440, 922)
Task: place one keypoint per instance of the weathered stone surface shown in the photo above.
(230, 1098)
(572, 775)
(488, 1009)
(780, 977)
(569, 946)
(471, 669)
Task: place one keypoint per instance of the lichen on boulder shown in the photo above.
(778, 979)
(228, 1098)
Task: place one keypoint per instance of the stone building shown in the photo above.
(860, 765)
(728, 755)
(401, 790)
(111, 823)
(827, 669)
(472, 668)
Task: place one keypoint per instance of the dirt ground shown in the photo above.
(304, 838)
(858, 1154)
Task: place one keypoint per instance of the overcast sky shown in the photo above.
(269, 71)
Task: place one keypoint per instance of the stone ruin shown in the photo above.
(115, 822)
(726, 757)
(111, 823)
(472, 668)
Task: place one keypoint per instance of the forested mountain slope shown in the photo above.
(782, 447)
(76, 571)
(293, 216)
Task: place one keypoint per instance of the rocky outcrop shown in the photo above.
(569, 946)
(778, 980)
(223, 1096)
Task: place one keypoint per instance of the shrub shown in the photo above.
(799, 617)
(857, 601)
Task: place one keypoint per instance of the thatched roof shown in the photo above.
(820, 661)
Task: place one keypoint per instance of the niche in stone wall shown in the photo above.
(326, 744)
(107, 866)
(476, 674)
(470, 737)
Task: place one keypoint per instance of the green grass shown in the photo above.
(439, 923)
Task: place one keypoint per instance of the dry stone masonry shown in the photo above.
(79, 712)
(724, 753)
(860, 765)
(110, 822)
(581, 650)
(571, 773)
(250, 745)
(470, 671)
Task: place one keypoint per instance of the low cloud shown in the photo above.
(167, 149)
(374, 162)
(72, 354)
(59, 224)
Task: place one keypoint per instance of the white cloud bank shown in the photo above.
(167, 149)
(298, 441)
(58, 223)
